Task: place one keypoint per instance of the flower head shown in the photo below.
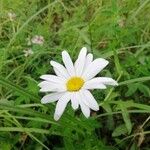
(28, 52)
(38, 39)
(11, 16)
(73, 82)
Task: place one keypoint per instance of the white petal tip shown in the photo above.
(56, 117)
(52, 62)
(116, 83)
(41, 90)
(41, 76)
(106, 61)
(40, 84)
(43, 101)
(90, 55)
(75, 108)
(103, 87)
(97, 109)
(64, 52)
(84, 49)
(87, 116)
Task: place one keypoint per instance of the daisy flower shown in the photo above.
(38, 39)
(73, 82)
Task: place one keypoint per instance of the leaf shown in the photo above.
(117, 63)
(32, 85)
(5, 145)
(144, 89)
(132, 88)
(84, 36)
(110, 120)
(120, 130)
(126, 118)
(134, 146)
(142, 79)
(9, 84)
(129, 104)
(14, 129)
(27, 111)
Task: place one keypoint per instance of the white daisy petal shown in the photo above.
(89, 100)
(53, 78)
(50, 87)
(74, 101)
(94, 68)
(100, 81)
(89, 59)
(80, 62)
(68, 63)
(58, 73)
(93, 84)
(52, 97)
(61, 105)
(84, 108)
(60, 68)
(105, 80)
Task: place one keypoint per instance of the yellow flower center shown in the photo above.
(74, 84)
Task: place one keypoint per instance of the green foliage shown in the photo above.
(111, 29)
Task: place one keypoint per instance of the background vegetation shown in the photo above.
(118, 30)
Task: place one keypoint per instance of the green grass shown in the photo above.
(117, 30)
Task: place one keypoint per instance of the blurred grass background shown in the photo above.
(118, 30)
